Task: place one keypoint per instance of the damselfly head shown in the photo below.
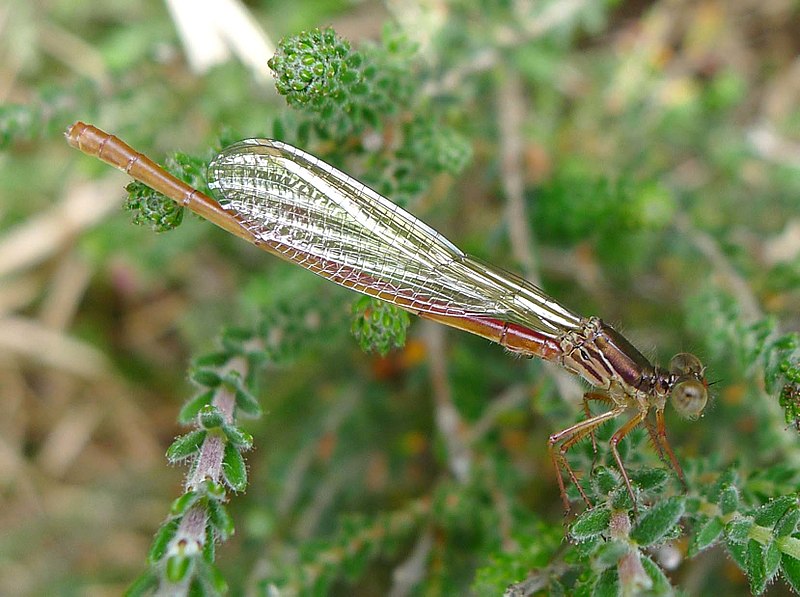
(690, 388)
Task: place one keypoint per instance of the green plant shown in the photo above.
(631, 178)
(320, 74)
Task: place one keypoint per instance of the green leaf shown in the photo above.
(605, 480)
(214, 490)
(209, 545)
(607, 584)
(738, 552)
(191, 408)
(585, 549)
(729, 500)
(772, 560)
(609, 553)
(738, 529)
(707, 535)
(247, 403)
(788, 523)
(770, 513)
(781, 475)
(186, 445)
(378, 326)
(584, 585)
(651, 479)
(164, 535)
(218, 582)
(220, 519)
(239, 438)
(555, 588)
(658, 521)
(145, 584)
(234, 469)
(755, 567)
(183, 503)
(152, 208)
(211, 417)
(232, 337)
(790, 569)
(661, 584)
(694, 504)
(178, 568)
(206, 377)
(621, 499)
(728, 478)
(199, 589)
(212, 359)
(232, 379)
(190, 169)
(278, 129)
(590, 523)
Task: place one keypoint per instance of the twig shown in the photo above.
(67, 439)
(414, 568)
(74, 52)
(510, 102)
(770, 146)
(512, 398)
(736, 284)
(539, 579)
(67, 288)
(16, 294)
(189, 541)
(448, 420)
(555, 15)
(301, 463)
(510, 113)
(209, 461)
(47, 234)
(28, 338)
(325, 493)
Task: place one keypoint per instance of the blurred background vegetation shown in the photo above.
(639, 160)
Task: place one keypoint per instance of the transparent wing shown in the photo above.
(310, 213)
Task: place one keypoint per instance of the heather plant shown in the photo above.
(621, 165)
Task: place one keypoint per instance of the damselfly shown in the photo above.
(296, 206)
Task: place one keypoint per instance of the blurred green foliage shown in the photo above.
(660, 191)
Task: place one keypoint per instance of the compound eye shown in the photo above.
(689, 398)
(685, 363)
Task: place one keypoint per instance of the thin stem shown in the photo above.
(448, 420)
(411, 572)
(751, 311)
(209, 461)
(510, 111)
(554, 16)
